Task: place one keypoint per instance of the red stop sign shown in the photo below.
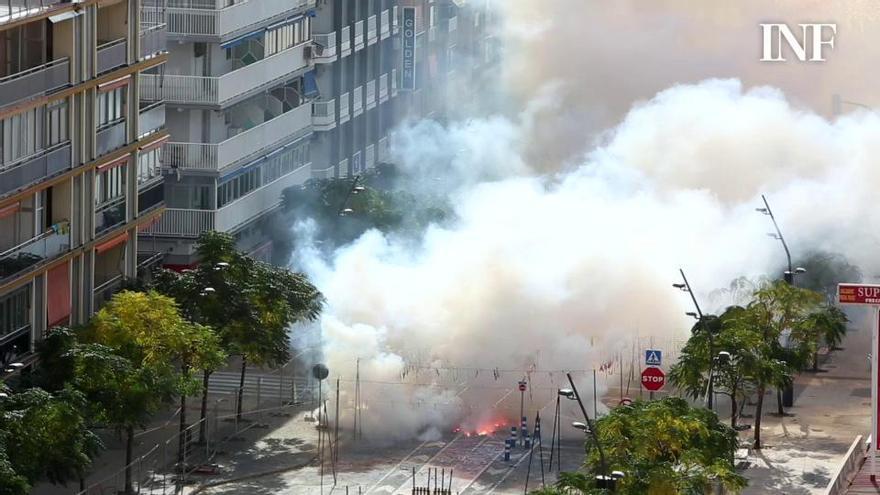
(653, 379)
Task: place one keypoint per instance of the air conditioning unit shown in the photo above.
(307, 52)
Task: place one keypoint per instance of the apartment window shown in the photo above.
(149, 165)
(111, 107)
(56, 123)
(15, 311)
(201, 198)
(109, 184)
(288, 35)
(266, 172)
(22, 134)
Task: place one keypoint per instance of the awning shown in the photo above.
(242, 39)
(113, 164)
(9, 209)
(155, 144)
(112, 243)
(70, 14)
(310, 85)
(116, 83)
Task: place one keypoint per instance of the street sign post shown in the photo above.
(653, 357)
(653, 379)
(868, 295)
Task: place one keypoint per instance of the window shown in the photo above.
(15, 311)
(56, 123)
(111, 107)
(262, 174)
(201, 198)
(22, 134)
(291, 34)
(149, 165)
(109, 184)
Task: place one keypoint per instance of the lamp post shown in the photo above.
(603, 480)
(701, 321)
(786, 396)
(356, 188)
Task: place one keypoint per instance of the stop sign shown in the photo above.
(653, 379)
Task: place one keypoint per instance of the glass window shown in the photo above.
(110, 106)
(109, 184)
(149, 165)
(15, 311)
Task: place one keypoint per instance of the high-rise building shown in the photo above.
(262, 95)
(79, 160)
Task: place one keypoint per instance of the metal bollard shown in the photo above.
(507, 452)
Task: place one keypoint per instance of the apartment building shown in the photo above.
(79, 161)
(262, 95)
(237, 89)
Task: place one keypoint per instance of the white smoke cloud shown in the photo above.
(557, 272)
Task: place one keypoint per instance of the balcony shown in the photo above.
(225, 89)
(385, 24)
(153, 39)
(324, 115)
(344, 115)
(383, 88)
(393, 82)
(371, 157)
(112, 55)
(213, 19)
(453, 24)
(19, 9)
(371, 94)
(345, 45)
(325, 48)
(104, 290)
(151, 118)
(35, 81)
(217, 156)
(357, 101)
(395, 26)
(179, 222)
(110, 138)
(343, 168)
(36, 169)
(151, 199)
(384, 152)
(109, 215)
(42, 248)
(259, 202)
(358, 35)
(372, 31)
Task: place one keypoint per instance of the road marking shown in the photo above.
(419, 470)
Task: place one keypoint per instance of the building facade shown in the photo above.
(262, 95)
(79, 161)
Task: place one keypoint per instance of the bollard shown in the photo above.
(523, 430)
(507, 452)
(512, 436)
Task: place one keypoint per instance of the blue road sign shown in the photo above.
(653, 357)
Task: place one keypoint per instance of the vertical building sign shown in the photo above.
(408, 79)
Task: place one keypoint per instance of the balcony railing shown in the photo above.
(453, 24)
(112, 55)
(395, 20)
(385, 24)
(324, 115)
(371, 156)
(34, 81)
(216, 156)
(393, 82)
(325, 48)
(358, 35)
(372, 30)
(40, 249)
(182, 222)
(345, 45)
(104, 289)
(49, 163)
(151, 118)
(343, 168)
(110, 138)
(150, 199)
(17, 9)
(153, 39)
(344, 115)
(371, 94)
(357, 101)
(382, 150)
(110, 215)
(205, 90)
(216, 19)
(383, 88)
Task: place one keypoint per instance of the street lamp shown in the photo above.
(720, 359)
(580, 426)
(603, 480)
(698, 315)
(356, 188)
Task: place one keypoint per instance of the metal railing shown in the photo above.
(219, 19)
(325, 48)
(112, 54)
(371, 156)
(343, 168)
(110, 215)
(324, 114)
(151, 118)
(393, 82)
(34, 81)
(453, 23)
(153, 39)
(35, 169)
(182, 222)
(17, 9)
(35, 251)
(105, 290)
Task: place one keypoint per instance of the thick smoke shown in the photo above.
(555, 272)
(561, 270)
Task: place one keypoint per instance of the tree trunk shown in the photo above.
(129, 447)
(816, 361)
(241, 387)
(733, 409)
(181, 441)
(758, 410)
(203, 416)
(779, 409)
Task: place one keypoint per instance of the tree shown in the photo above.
(666, 447)
(824, 270)
(249, 304)
(826, 325)
(43, 436)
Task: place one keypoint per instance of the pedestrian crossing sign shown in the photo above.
(653, 357)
